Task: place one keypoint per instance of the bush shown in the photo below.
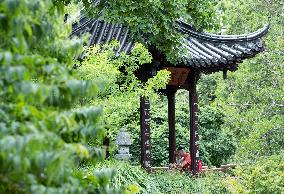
(43, 136)
(263, 176)
(165, 182)
(216, 146)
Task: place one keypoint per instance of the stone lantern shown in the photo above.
(123, 141)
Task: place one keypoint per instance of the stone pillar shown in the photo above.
(123, 141)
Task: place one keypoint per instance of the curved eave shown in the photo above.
(188, 29)
(211, 56)
(210, 53)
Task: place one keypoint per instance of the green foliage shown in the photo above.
(46, 119)
(155, 19)
(252, 97)
(206, 88)
(166, 181)
(262, 176)
(216, 146)
(43, 136)
(123, 90)
(252, 100)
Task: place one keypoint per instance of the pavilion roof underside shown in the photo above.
(206, 52)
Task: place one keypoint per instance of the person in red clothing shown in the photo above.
(184, 159)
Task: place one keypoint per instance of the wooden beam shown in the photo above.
(178, 75)
(193, 100)
(171, 120)
(145, 133)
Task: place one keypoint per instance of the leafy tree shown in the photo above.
(123, 90)
(154, 21)
(121, 70)
(252, 97)
(43, 136)
(216, 145)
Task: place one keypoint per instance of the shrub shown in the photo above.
(216, 145)
(165, 182)
(42, 134)
(262, 176)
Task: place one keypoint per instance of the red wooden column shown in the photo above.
(171, 120)
(145, 133)
(193, 100)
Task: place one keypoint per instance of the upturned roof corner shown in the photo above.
(206, 52)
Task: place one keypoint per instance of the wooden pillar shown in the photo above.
(145, 133)
(193, 100)
(171, 120)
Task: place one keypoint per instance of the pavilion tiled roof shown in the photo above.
(206, 52)
(103, 32)
(210, 52)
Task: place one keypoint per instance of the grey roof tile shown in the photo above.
(207, 52)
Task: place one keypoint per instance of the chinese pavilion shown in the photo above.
(207, 53)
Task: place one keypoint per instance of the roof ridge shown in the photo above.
(189, 29)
